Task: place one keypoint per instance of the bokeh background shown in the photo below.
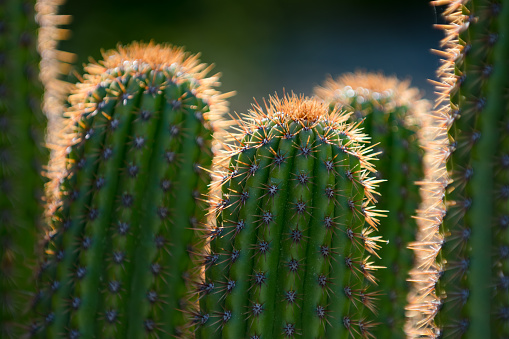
(265, 46)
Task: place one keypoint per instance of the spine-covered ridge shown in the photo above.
(392, 114)
(465, 294)
(291, 252)
(123, 239)
(22, 156)
(55, 64)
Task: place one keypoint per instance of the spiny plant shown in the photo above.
(468, 290)
(122, 242)
(392, 114)
(22, 155)
(288, 253)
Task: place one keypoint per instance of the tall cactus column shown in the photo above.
(290, 253)
(120, 258)
(392, 114)
(473, 270)
(22, 155)
(54, 65)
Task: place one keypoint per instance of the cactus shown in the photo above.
(22, 155)
(471, 271)
(289, 251)
(392, 115)
(123, 238)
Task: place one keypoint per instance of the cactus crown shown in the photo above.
(306, 112)
(140, 58)
(387, 93)
(297, 108)
(136, 60)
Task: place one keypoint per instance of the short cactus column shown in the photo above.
(291, 253)
(120, 256)
(392, 114)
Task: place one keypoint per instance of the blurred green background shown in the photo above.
(264, 46)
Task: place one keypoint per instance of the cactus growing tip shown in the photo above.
(297, 108)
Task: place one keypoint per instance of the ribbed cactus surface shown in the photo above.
(392, 114)
(22, 155)
(472, 266)
(290, 253)
(121, 249)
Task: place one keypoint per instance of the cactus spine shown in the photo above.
(22, 155)
(288, 252)
(122, 243)
(392, 113)
(471, 269)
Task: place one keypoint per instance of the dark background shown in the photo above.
(264, 46)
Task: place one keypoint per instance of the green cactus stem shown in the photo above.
(22, 156)
(290, 251)
(121, 250)
(471, 299)
(392, 113)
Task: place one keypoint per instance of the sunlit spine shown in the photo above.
(392, 113)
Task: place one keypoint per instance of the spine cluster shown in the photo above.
(466, 288)
(122, 243)
(22, 155)
(289, 254)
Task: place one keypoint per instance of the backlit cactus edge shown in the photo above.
(22, 152)
(465, 291)
(286, 242)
